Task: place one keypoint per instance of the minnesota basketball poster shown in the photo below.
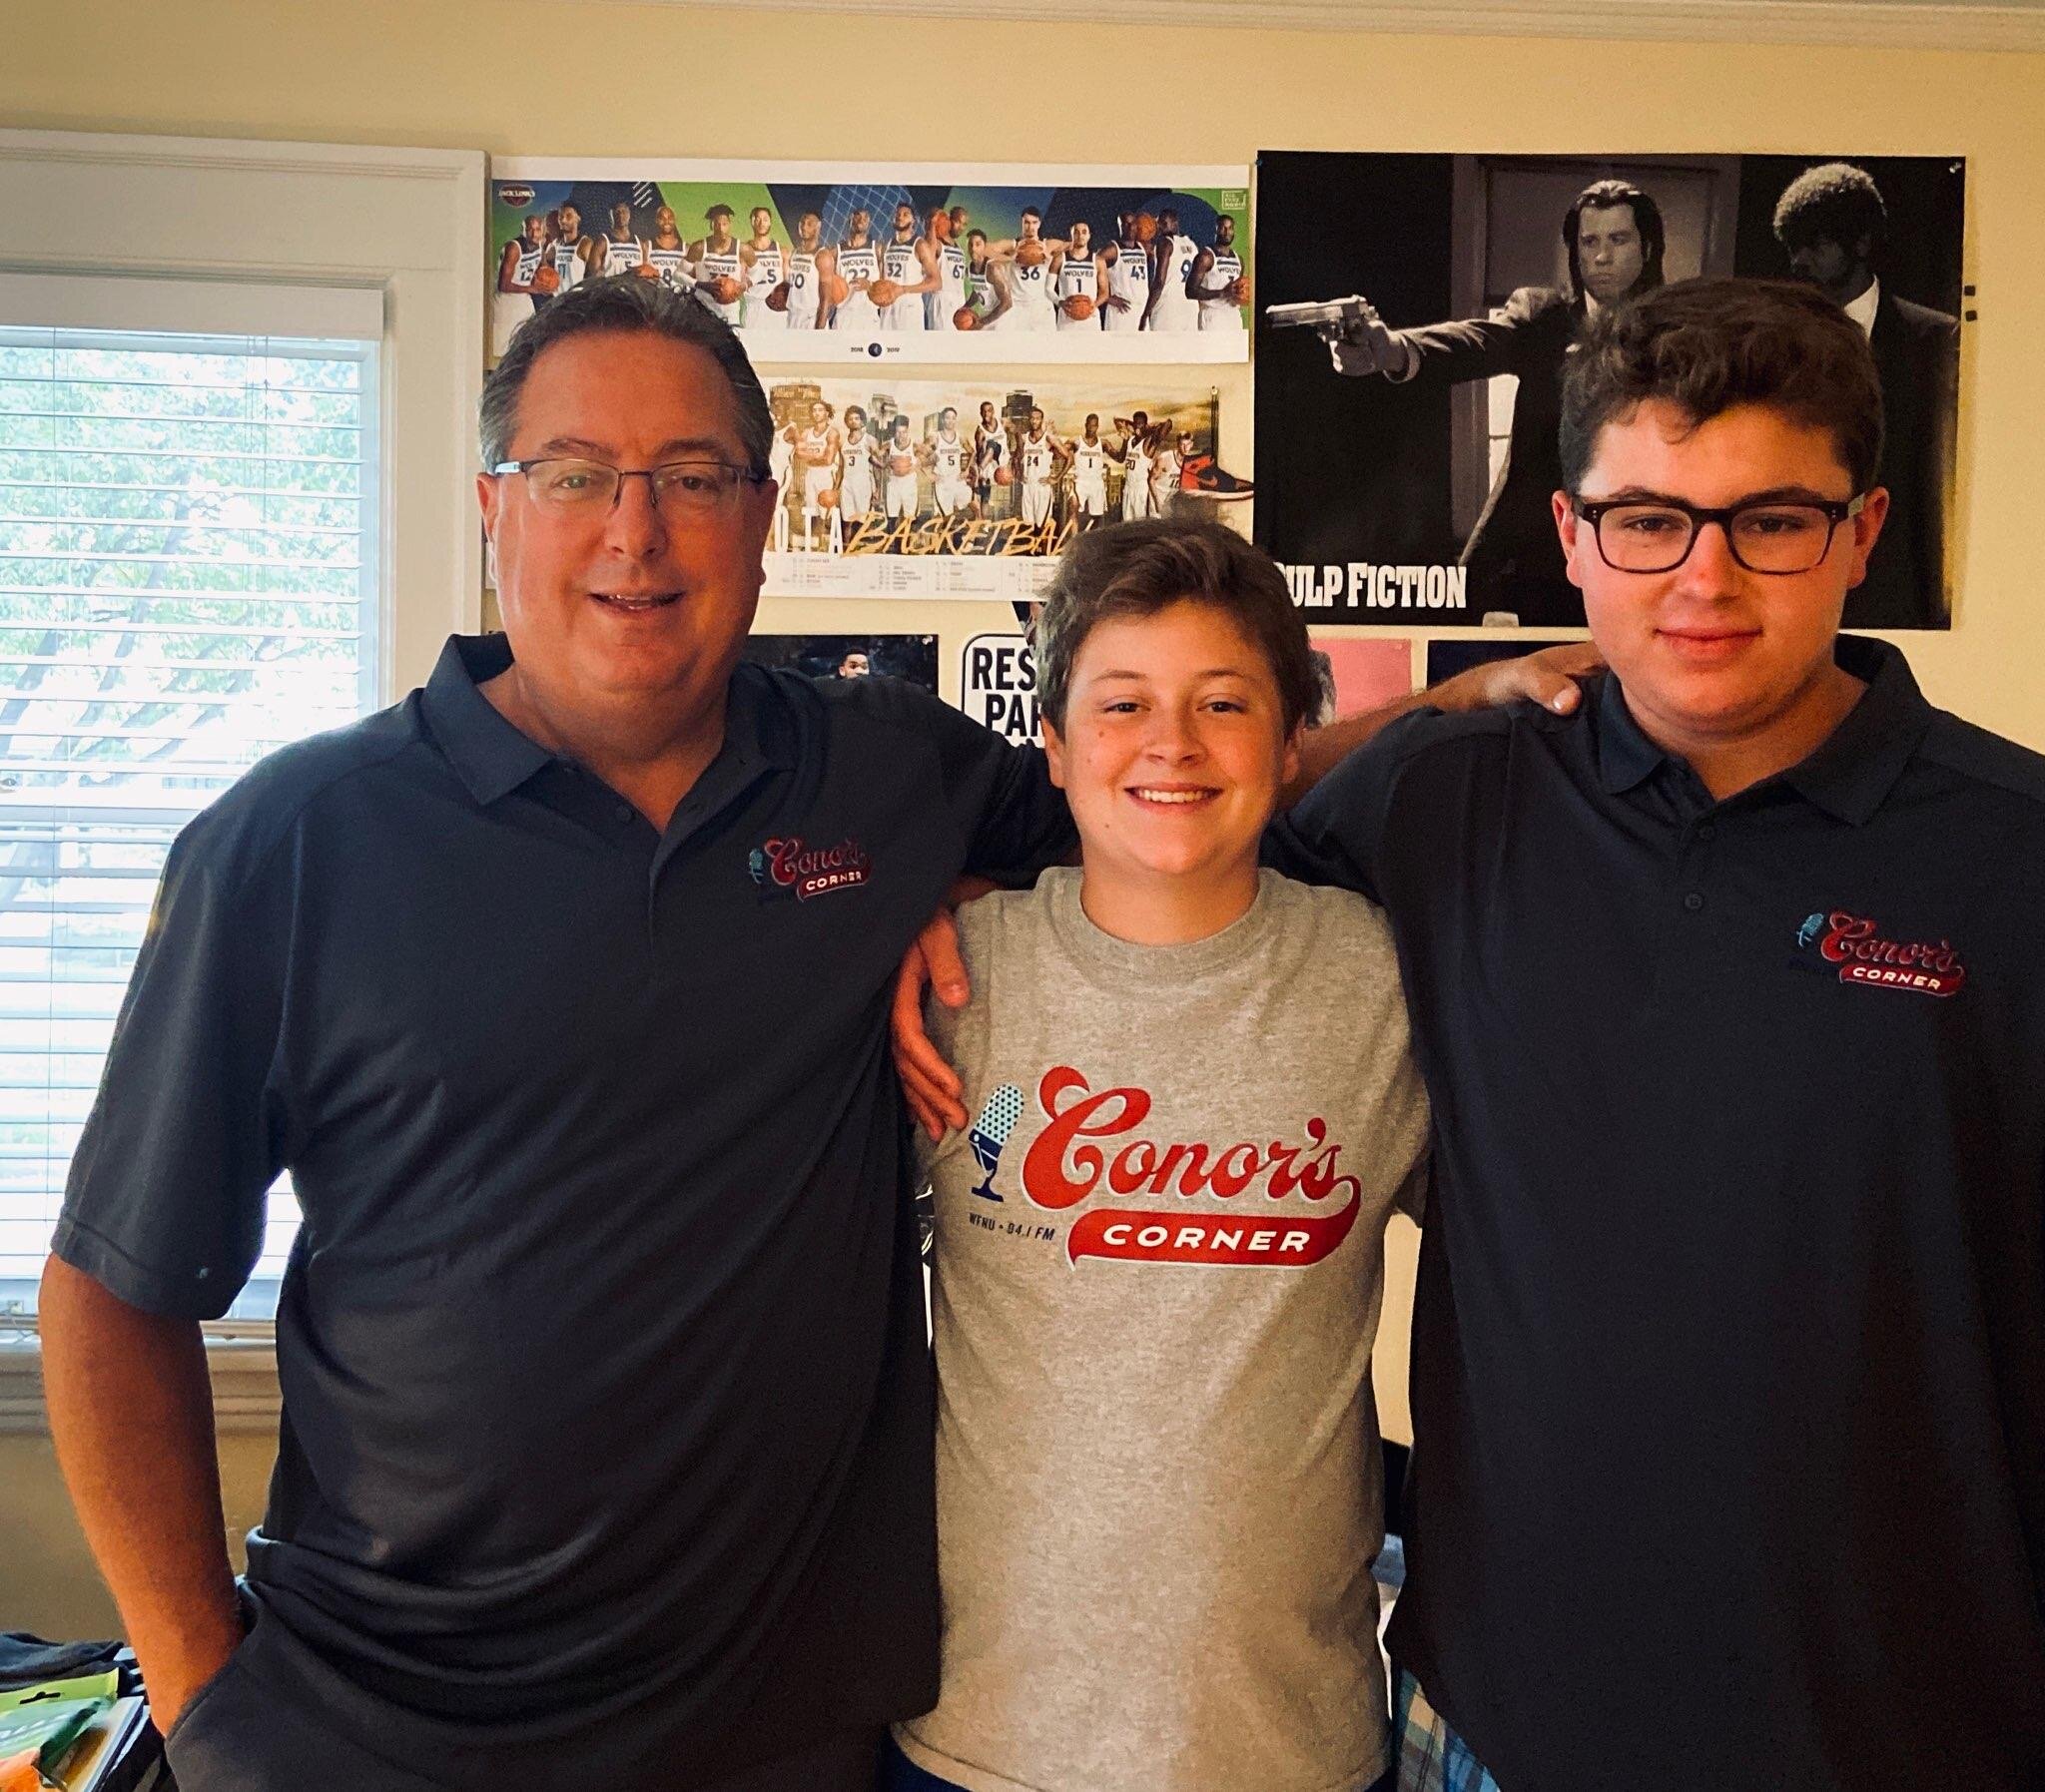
(1416, 314)
(913, 263)
(969, 488)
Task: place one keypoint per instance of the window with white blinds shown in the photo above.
(188, 580)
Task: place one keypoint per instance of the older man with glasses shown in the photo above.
(560, 991)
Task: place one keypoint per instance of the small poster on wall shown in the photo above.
(969, 488)
(1360, 673)
(913, 657)
(816, 262)
(1412, 487)
(997, 683)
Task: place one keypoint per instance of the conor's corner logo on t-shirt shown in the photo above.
(794, 866)
(1863, 957)
(1279, 1185)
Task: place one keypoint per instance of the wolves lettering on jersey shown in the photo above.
(1128, 279)
(673, 264)
(802, 291)
(767, 270)
(1037, 461)
(855, 265)
(941, 305)
(722, 264)
(529, 257)
(899, 265)
(899, 262)
(623, 257)
(1227, 267)
(565, 257)
(1077, 274)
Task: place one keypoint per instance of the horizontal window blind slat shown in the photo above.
(19, 451)
(172, 515)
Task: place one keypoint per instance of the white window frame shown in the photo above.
(406, 223)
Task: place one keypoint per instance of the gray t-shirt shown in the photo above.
(1160, 1264)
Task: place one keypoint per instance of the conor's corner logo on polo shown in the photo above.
(1856, 947)
(792, 865)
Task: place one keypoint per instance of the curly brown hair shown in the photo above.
(1705, 346)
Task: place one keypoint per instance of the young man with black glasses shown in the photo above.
(1728, 1353)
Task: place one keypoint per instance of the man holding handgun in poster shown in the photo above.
(1614, 237)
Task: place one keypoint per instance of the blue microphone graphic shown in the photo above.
(986, 1135)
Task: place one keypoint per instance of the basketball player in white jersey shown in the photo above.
(1171, 265)
(1039, 452)
(1126, 263)
(987, 286)
(856, 480)
(989, 455)
(720, 264)
(1077, 274)
(948, 452)
(1134, 455)
(1216, 281)
(817, 450)
(944, 262)
(1026, 261)
(902, 462)
(513, 299)
(779, 466)
(1167, 458)
(805, 282)
(567, 248)
(667, 254)
(1089, 475)
(766, 267)
(904, 268)
(858, 265)
(621, 250)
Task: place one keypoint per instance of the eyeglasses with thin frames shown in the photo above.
(592, 487)
(1767, 535)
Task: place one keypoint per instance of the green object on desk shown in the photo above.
(48, 1728)
(80, 1686)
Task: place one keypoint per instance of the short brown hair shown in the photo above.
(1140, 568)
(1705, 346)
(621, 304)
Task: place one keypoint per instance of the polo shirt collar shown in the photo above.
(492, 758)
(1847, 777)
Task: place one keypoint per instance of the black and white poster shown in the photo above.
(1417, 492)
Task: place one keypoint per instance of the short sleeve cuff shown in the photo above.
(201, 1292)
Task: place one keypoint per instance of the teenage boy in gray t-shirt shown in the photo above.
(1159, 1246)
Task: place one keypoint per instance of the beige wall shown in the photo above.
(525, 77)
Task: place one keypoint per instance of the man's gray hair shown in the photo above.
(624, 304)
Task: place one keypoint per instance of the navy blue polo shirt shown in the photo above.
(606, 1449)
(1729, 1354)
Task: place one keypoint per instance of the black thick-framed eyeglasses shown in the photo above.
(683, 487)
(1769, 535)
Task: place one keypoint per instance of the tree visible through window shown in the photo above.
(186, 582)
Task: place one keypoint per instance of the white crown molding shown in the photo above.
(1893, 24)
